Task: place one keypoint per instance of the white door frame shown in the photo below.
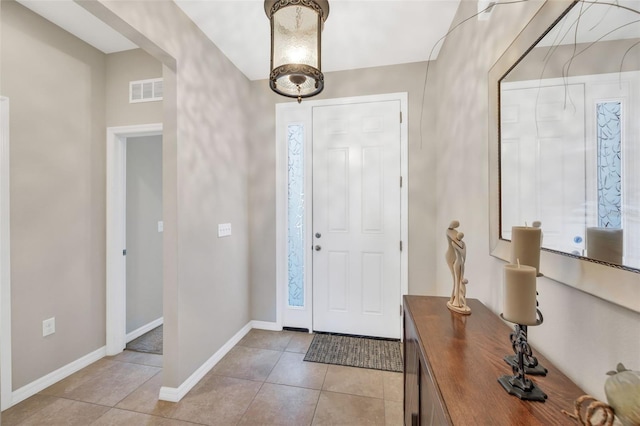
(6, 391)
(293, 109)
(116, 230)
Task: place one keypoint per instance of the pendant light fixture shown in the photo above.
(296, 32)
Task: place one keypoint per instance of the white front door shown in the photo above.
(356, 219)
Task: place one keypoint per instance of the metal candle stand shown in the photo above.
(518, 384)
(531, 365)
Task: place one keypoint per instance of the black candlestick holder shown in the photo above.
(531, 365)
(518, 384)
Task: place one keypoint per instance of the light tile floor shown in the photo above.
(262, 380)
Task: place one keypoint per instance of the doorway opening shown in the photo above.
(144, 228)
(116, 323)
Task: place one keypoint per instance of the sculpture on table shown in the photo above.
(456, 255)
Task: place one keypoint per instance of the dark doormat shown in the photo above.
(150, 342)
(364, 352)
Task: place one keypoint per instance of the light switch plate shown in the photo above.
(160, 226)
(48, 326)
(224, 230)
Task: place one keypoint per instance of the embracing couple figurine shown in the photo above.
(455, 256)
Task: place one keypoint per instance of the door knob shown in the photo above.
(318, 235)
(318, 248)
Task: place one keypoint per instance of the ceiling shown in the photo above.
(357, 33)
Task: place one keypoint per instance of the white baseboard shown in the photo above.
(176, 394)
(144, 329)
(265, 325)
(55, 376)
(166, 393)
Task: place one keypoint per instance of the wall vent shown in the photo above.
(145, 90)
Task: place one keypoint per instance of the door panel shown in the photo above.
(372, 283)
(356, 212)
(338, 281)
(372, 190)
(338, 187)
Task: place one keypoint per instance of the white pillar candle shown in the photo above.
(525, 246)
(520, 294)
(605, 244)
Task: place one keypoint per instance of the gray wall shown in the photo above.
(121, 68)
(389, 79)
(144, 242)
(583, 335)
(56, 86)
(206, 279)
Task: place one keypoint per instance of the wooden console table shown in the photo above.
(452, 365)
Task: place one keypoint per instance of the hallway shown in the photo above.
(262, 380)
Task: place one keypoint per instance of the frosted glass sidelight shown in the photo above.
(609, 165)
(295, 227)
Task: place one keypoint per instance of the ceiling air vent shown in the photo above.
(145, 90)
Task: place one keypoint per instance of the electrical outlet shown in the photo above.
(48, 326)
(224, 230)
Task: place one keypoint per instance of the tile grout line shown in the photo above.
(244, 413)
(315, 410)
(150, 415)
(263, 381)
(32, 414)
(141, 384)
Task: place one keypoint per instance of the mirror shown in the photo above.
(570, 137)
(565, 142)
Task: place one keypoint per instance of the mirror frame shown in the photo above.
(614, 283)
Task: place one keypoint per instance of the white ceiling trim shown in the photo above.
(74, 19)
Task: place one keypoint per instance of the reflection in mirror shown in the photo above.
(570, 135)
